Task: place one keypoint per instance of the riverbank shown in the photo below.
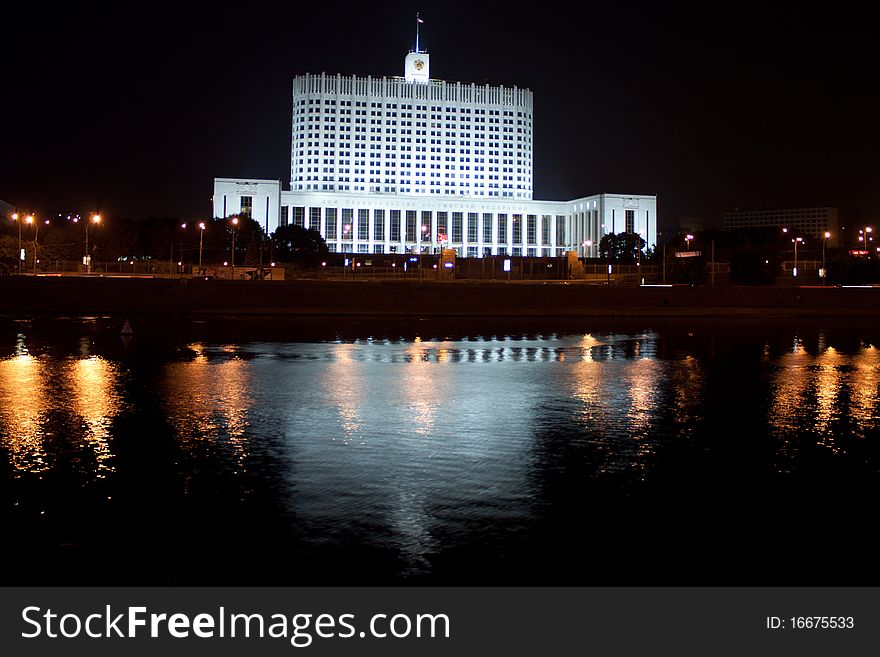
(20, 296)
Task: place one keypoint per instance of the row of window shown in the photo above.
(461, 252)
(427, 226)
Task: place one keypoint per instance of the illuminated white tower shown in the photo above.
(416, 67)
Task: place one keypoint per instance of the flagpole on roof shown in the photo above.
(418, 20)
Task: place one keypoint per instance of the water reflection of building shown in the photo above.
(209, 400)
(623, 406)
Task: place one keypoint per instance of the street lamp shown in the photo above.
(824, 272)
(234, 224)
(795, 240)
(201, 237)
(16, 219)
(87, 260)
(180, 264)
(30, 219)
(687, 239)
(866, 239)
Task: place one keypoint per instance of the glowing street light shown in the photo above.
(31, 220)
(16, 219)
(180, 262)
(87, 260)
(795, 241)
(201, 238)
(865, 238)
(587, 245)
(234, 224)
(687, 239)
(824, 273)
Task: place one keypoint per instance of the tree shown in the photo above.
(623, 247)
(295, 243)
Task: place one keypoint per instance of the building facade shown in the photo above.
(411, 164)
(812, 222)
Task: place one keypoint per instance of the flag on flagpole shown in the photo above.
(419, 20)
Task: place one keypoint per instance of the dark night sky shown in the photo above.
(133, 110)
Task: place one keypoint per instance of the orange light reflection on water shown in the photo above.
(23, 401)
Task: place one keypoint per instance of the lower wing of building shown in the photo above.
(394, 223)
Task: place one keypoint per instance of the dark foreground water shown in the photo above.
(276, 452)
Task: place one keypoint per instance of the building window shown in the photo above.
(347, 221)
(457, 220)
(487, 227)
(426, 225)
(560, 230)
(517, 229)
(442, 227)
(410, 225)
(314, 218)
(299, 215)
(247, 205)
(472, 228)
(363, 227)
(630, 221)
(545, 229)
(330, 221)
(378, 225)
(395, 225)
(282, 220)
(502, 229)
(532, 229)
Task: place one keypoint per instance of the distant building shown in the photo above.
(6, 208)
(688, 224)
(812, 222)
(414, 164)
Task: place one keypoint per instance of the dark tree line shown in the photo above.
(166, 239)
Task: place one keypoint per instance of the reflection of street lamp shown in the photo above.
(94, 219)
(201, 237)
(234, 224)
(824, 272)
(795, 241)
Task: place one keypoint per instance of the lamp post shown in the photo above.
(639, 255)
(234, 224)
(94, 219)
(201, 238)
(824, 271)
(16, 219)
(863, 237)
(795, 241)
(180, 265)
(687, 239)
(30, 219)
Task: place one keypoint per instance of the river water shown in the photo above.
(657, 452)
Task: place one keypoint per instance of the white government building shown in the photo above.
(411, 164)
